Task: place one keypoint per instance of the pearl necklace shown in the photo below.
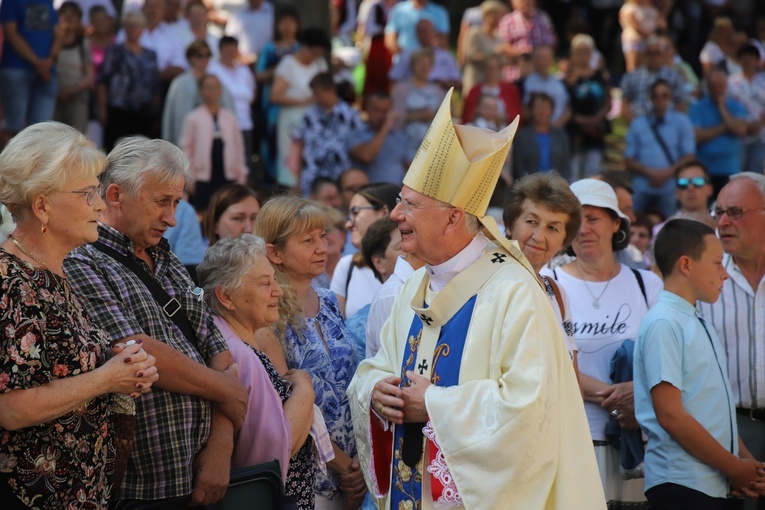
(26, 252)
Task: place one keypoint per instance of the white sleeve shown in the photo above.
(339, 277)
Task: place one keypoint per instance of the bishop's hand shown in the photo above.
(414, 398)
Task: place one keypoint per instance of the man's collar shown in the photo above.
(441, 274)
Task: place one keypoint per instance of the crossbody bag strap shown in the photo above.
(558, 297)
(170, 306)
(662, 143)
(639, 278)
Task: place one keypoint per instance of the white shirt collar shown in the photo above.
(403, 269)
(442, 274)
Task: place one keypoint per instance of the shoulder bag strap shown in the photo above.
(662, 143)
(348, 279)
(558, 297)
(170, 306)
(639, 278)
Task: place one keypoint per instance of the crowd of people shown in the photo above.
(232, 239)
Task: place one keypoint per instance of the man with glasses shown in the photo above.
(637, 84)
(657, 144)
(471, 401)
(739, 315)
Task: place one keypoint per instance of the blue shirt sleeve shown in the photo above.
(662, 348)
(441, 20)
(737, 109)
(687, 136)
(631, 149)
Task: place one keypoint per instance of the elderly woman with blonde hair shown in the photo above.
(58, 394)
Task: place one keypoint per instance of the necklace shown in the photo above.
(595, 300)
(28, 253)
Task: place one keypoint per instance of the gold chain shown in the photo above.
(26, 252)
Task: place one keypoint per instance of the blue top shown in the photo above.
(720, 154)
(331, 366)
(35, 20)
(185, 237)
(674, 347)
(393, 159)
(403, 21)
(545, 161)
(675, 129)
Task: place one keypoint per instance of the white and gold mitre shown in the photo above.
(460, 165)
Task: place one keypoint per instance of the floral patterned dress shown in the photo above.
(67, 462)
(330, 359)
(300, 476)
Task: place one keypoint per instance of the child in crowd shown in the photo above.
(683, 397)
(639, 20)
(487, 113)
(641, 231)
(75, 70)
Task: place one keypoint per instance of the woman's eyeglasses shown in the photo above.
(355, 210)
(91, 192)
(202, 55)
(696, 182)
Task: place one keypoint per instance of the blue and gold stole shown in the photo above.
(434, 349)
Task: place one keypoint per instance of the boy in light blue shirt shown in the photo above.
(683, 398)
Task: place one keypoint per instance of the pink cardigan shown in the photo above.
(196, 142)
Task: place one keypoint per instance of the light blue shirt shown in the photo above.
(403, 21)
(721, 154)
(551, 86)
(675, 129)
(673, 347)
(185, 237)
(391, 162)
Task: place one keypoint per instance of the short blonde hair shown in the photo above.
(41, 159)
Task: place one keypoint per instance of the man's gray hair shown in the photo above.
(759, 180)
(134, 158)
(472, 224)
(225, 265)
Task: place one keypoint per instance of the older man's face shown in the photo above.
(421, 221)
(744, 237)
(149, 213)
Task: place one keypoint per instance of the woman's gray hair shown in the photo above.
(759, 180)
(135, 15)
(225, 265)
(41, 159)
(134, 158)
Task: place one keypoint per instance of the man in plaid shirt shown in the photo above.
(185, 426)
(523, 30)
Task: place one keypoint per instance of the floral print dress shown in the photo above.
(300, 476)
(67, 462)
(330, 359)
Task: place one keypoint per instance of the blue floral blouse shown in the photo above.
(331, 367)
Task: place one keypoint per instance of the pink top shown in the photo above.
(197, 139)
(266, 433)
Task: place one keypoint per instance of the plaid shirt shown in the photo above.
(171, 427)
(636, 88)
(525, 34)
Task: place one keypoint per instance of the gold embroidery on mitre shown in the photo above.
(459, 165)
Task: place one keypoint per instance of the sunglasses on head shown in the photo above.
(696, 182)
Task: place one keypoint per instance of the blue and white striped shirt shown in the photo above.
(739, 319)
